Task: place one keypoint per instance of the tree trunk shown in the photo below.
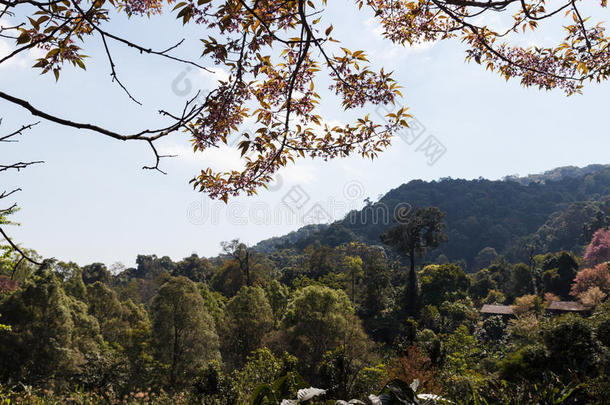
(412, 286)
(248, 269)
(353, 288)
(174, 354)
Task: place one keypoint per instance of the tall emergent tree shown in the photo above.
(184, 332)
(239, 251)
(353, 268)
(277, 52)
(415, 233)
(320, 319)
(247, 318)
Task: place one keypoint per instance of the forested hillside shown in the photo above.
(552, 211)
(355, 319)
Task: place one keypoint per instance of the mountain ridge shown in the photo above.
(544, 209)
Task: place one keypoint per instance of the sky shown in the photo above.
(92, 202)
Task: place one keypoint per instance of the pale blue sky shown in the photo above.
(91, 201)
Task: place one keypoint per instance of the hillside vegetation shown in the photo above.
(485, 292)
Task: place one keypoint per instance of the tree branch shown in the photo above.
(18, 250)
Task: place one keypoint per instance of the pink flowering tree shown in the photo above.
(7, 285)
(278, 53)
(598, 250)
(598, 276)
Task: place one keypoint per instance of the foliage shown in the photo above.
(50, 332)
(394, 392)
(443, 282)
(318, 320)
(592, 297)
(481, 214)
(415, 233)
(558, 272)
(598, 276)
(281, 389)
(523, 329)
(415, 365)
(247, 318)
(96, 272)
(485, 257)
(461, 349)
(457, 313)
(344, 375)
(277, 295)
(7, 285)
(527, 304)
(494, 297)
(571, 344)
(525, 363)
(195, 268)
(261, 367)
(521, 280)
(353, 267)
(598, 251)
(603, 332)
(564, 228)
(127, 335)
(183, 331)
(4, 328)
(549, 391)
(27, 395)
(493, 330)
(213, 386)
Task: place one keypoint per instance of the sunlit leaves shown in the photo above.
(582, 55)
(276, 53)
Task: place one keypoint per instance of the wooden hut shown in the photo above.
(505, 311)
(562, 307)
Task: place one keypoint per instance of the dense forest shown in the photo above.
(486, 292)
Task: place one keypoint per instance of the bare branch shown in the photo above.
(113, 73)
(6, 194)
(18, 250)
(158, 159)
(18, 166)
(140, 48)
(6, 138)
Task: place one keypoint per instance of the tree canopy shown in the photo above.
(183, 330)
(150, 335)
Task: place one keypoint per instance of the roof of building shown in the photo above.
(566, 306)
(497, 309)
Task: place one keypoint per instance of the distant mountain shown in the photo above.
(554, 210)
